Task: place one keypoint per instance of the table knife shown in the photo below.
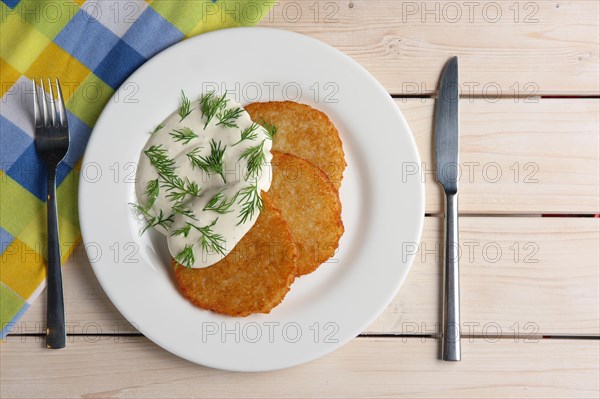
(446, 154)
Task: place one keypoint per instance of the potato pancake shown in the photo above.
(253, 278)
(305, 132)
(310, 205)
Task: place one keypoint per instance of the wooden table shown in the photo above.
(530, 190)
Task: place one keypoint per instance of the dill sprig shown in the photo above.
(228, 117)
(185, 135)
(249, 199)
(209, 240)
(211, 164)
(157, 155)
(152, 221)
(219, 203)
(249, 133)
(186, 256)
(255, 157)
(152, 190)
(271, 129)
(185, 108)
(140, 210)
(210, 105)
(157, 128)
(177, 187)
(180, 209)
(158, 220)
(182, 231)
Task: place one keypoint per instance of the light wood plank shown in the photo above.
(388, 367)
(555, 50)
(88, 310)
(551, 289)
(519, 277)
(539, 157)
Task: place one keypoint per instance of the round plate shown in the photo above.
(383, 204)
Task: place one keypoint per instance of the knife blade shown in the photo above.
(446, 128)
(446, 156)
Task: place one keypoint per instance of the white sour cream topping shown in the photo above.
(203, 226)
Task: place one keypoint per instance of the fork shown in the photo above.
(52, 144)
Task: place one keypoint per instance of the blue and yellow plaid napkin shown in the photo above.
(92, 47)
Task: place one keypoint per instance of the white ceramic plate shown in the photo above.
(383, 204)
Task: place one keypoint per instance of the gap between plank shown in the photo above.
(503, 96)
(479, 336)
(563, 97)
(545, 215)
(431, 336)
(518, 215)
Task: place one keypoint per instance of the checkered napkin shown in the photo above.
(92, 47)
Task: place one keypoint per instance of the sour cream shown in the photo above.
(208, 177)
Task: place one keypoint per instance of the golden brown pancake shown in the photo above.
(253, 278)
(310, 205)
(305, 132)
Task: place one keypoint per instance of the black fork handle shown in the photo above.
(55, 334)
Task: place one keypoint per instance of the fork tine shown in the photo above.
(44, 104)
(62, 113)
(36, 106)
(53, 116)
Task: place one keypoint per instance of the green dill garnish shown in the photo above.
(210, 105)
(250, 200)
(271, 130)
(212, 163)
(153, 221)
(249, 133)
(228, 117)
(219, 203)
(177, 188)
(141, 210)
(256, 159)
(182, 231)
(185, 135)
(209, 240)
(186, 256)
(185, 109)
(157, 155)
(180, 209)
(152, 189)
(157, 128)
(158, 220)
